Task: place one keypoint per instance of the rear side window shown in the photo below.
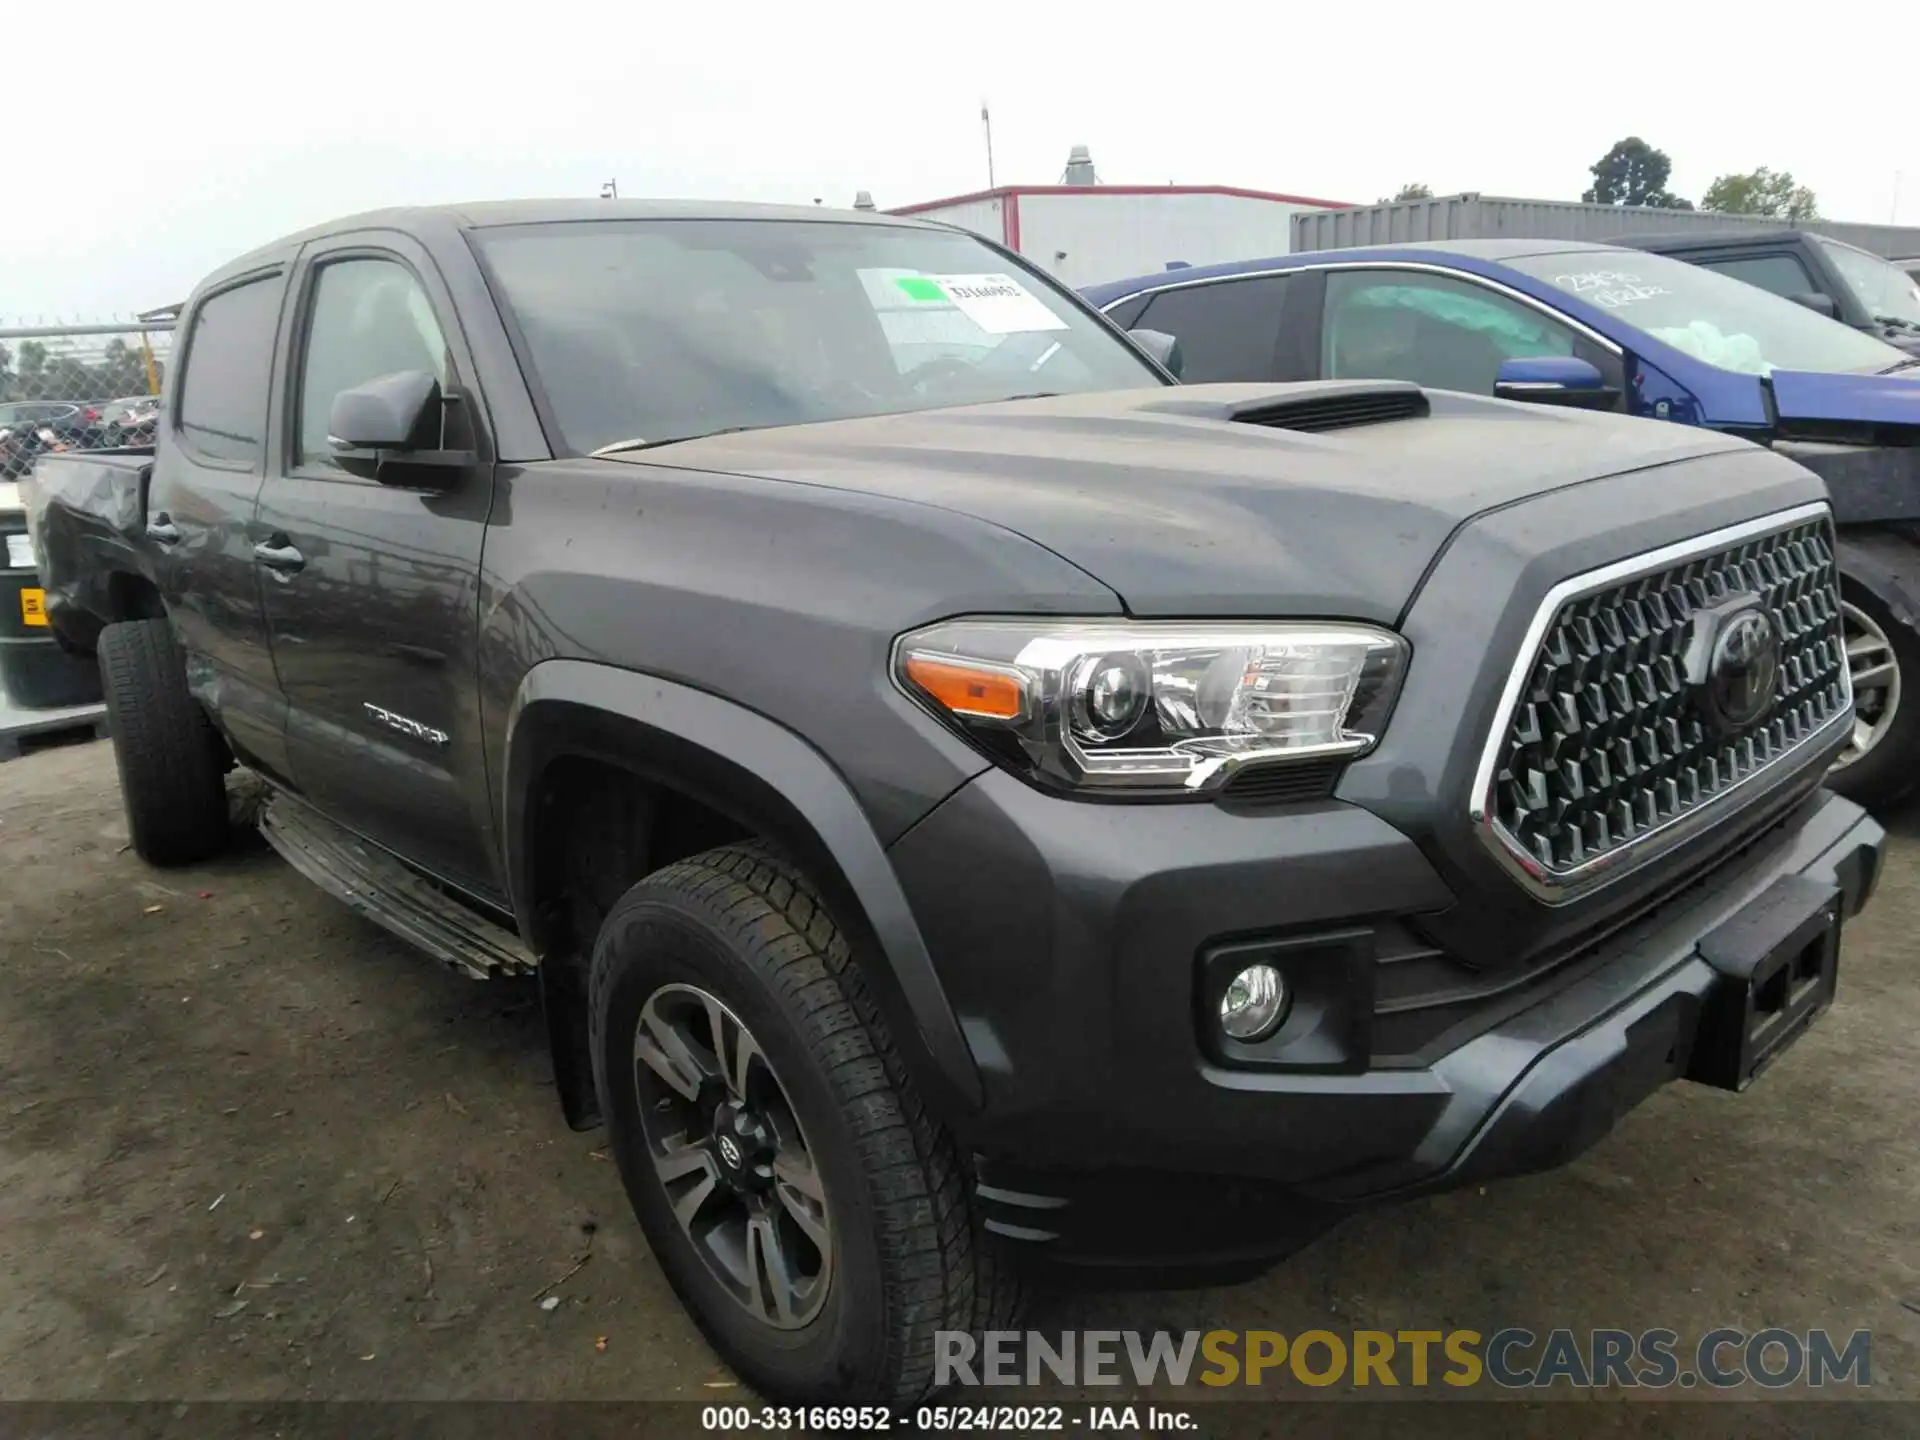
(223, 392)
(1782, 274)
(1227, 330)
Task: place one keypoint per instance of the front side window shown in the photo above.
(1435, 331)
(1782, 275)
(1720, 321)
(368, 318)
(646, 332)
(1884, 291)
(1227, 330)
(223, 392)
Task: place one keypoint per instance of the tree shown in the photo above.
(1414, 191)
(1761, 192)
(6, 373)
(1633, 173)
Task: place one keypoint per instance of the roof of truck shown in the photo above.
(485, 214)
(1705, 239)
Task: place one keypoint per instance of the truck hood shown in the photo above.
(1183, 503)
(1878, 400)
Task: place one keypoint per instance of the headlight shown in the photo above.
(1167, 706)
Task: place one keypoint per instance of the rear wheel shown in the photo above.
(170, 758)
(1882, 760)
(807, 1210)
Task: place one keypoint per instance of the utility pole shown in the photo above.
(986, 122)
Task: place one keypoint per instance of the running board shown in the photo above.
(369, 880)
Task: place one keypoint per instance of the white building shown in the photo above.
(1085, 232)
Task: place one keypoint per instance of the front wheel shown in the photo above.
(1882, 760)
(807, 1210)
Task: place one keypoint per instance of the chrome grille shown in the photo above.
(1600, 747)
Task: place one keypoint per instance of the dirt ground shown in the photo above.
(253, 1149)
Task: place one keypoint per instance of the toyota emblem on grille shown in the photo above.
(1733, 663)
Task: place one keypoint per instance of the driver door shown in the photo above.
(372, 590)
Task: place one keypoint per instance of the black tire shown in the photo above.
(1887, 771)
(44, 675)
(742, 923)
(170, 758)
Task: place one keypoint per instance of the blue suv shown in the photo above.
(1559, 322)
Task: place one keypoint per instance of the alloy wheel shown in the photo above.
(1875, 671)
(730, 1153)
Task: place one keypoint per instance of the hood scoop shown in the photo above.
(1310, 405)
(1337, 407)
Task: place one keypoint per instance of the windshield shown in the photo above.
(1886, 292)
(653, 331)
(1722, 321)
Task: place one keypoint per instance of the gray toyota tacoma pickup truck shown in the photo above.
(975, 809)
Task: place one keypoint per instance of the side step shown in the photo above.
(372, 882)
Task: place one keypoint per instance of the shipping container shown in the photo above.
(1487, 217)
(1083, 234)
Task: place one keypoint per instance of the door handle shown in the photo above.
(162, 531)
(278, 554)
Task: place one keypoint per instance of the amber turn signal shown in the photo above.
(968, 690)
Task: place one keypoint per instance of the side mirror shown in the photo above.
(1555, 380)
(389, 430)
(1164, 349)
(1819, 304)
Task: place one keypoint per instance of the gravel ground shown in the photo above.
(254, 1150)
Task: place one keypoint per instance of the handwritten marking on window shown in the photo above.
(1609, 289)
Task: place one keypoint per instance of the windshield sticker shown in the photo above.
(1609, 289)
(998, 304)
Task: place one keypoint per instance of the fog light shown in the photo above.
(1255, 1003)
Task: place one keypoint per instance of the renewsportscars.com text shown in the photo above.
(1512, 1358)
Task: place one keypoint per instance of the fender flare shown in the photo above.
(765, 776)
(1887, 564)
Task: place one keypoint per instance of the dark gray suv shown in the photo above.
(974, 808)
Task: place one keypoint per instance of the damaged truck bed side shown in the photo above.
(86, 511)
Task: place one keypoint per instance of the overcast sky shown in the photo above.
(154, 142)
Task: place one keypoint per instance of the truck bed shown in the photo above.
(87, 513)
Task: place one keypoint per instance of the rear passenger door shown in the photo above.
(1441, 331)
(372, 590)
(200, 504)
(1227, 329)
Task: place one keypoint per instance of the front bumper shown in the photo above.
(1072, 940)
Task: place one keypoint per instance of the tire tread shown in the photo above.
(942, 1272)
(167, 752)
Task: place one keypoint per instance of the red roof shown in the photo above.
(1005, 192)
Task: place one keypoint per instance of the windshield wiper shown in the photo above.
(620, 446)
(1896, 320)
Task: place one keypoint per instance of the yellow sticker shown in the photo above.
(33, 607)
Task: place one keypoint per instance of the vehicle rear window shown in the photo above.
(647, 332)
(1228, 330)
(223, 390)
(1723, 322)
(1780, 274)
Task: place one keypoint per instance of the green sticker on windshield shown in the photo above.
(918, 287)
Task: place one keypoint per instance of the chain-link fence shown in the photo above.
(80, 387)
